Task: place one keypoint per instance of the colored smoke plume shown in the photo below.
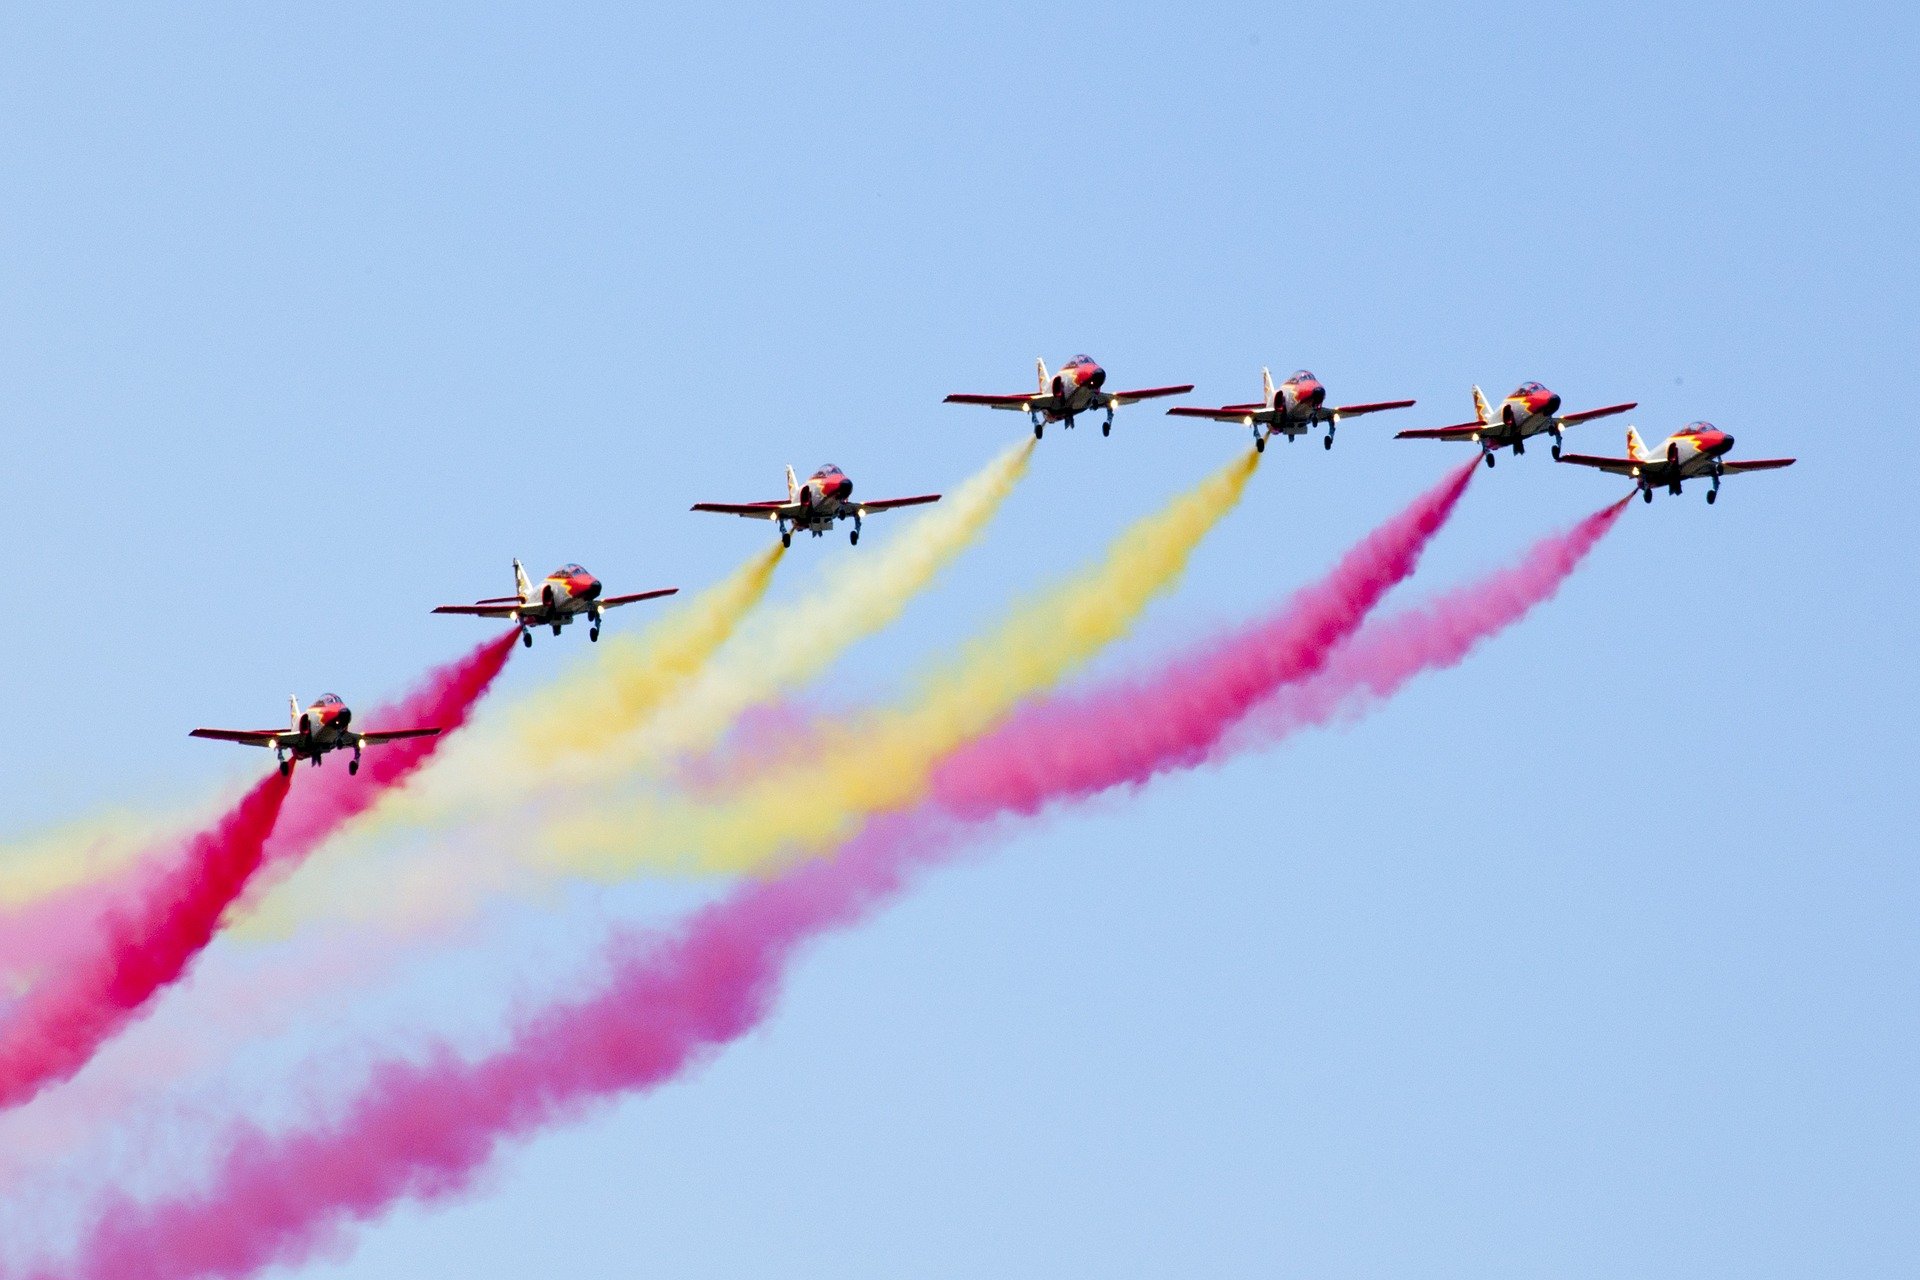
(144, 944)
(1128, 729)
(1389, 652)
(883, 761)
(425, 1125)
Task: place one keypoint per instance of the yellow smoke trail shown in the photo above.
(885, 760)
(791, 647)
(630, 678)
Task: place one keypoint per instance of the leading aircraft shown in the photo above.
(1530, 411)
(568, 593)
(1697, 449)
(1077, 387)
(324, 726)
(814, 506)
(1292, 409)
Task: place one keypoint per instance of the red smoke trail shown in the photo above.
(425, 1125)
(1441, 633)
(1124, 732)
(145, 944)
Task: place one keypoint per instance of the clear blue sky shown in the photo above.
(1595, 957)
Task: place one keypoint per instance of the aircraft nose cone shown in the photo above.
(1317, 394)
(1550, 405)
(1724, 443)
(590, 589)
(345, 717)
(1098, 378)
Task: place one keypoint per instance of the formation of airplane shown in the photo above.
(1292, 408)
(1531, 410)
(813, 507)
(1080, 385)
(1697, 449)
(569, 592)
(326, 725)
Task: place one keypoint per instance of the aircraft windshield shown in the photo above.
(1529, 388)
(327, 700)
(571, 569)
(828, 469)
(1081, 359)
(1303, 375)
(1695, 428)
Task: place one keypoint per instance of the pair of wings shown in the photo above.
(508, 606)
(1261, 413)
(1047, 400)
(1627, 466)
(1468, 430)
(267, 737)
(793, 510)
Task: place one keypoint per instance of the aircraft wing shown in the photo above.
(1619, 466)
(1118, 398)
(1018, 403)
(611, 601)
(888, 504)
(1588, 415)
(246, 737)
(390, 735)
(752, 510)
(1355, 410)
(1756, 464)
(1459, 431)
(1225, 413)
(485, 609)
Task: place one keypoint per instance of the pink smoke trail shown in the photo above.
(146, 944)
(1439, 634)
(423, 1128)
(1126, 731)
(43, 933)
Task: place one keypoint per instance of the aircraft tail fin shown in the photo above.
(520, 582)
(793, 487)
(293, 711)
(1481, 409)
(1041, 366)
(1636, 448)
(1266, 385)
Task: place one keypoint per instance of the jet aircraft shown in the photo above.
(1060, 397)
(812, 507)
(1530, 411)
(325, 726)
(568, 593)
(1697, 449)
(1292, 409)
